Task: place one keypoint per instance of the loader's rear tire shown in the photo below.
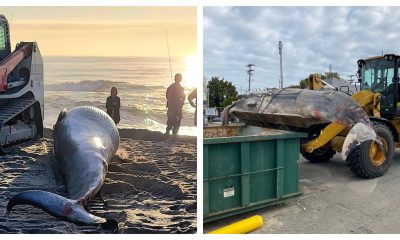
(322, 154)
(365, 161)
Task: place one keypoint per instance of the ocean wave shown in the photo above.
(99, 86)
(130, 111)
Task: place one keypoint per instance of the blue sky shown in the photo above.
(313, 38)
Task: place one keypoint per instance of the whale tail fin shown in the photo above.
(60, 207)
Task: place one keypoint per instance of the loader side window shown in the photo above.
(389, 76)
(2, 38)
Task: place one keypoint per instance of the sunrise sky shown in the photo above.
(105, 31)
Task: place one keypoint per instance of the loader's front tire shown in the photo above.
(366, 161)
(322, 154)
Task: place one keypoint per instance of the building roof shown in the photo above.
(342, 85)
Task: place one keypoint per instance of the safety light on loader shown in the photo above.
(389, 57)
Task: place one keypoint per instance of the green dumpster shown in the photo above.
(246, 168)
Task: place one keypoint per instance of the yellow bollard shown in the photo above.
(244, 226)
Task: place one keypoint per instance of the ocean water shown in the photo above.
(141, 83)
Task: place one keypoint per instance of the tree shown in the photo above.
(221, 93)
(331, 74)
(303, 83)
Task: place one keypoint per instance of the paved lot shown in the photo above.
(334, 200)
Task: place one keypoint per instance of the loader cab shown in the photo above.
(5, 45)
(381, 75)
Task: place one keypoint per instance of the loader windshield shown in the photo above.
(377, 75)
(2, 38)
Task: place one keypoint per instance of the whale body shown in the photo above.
(85, 140)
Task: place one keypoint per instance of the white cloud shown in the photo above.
(313, 38)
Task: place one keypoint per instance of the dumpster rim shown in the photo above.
(251, 138)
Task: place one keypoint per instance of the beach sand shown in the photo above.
(150, 186)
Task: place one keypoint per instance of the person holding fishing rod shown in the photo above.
(175, 100)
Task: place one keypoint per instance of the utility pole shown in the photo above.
(280, 55)
(351, 78)
(250, 72)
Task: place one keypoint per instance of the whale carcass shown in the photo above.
(85, 140)
(304, 110)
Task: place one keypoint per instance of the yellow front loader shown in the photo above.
(379, 97)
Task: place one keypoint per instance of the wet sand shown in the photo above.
(150, 186)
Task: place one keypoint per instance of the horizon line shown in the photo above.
(137, 56)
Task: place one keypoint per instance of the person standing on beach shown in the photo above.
(191, 97)
(175, 100)
(113, 105)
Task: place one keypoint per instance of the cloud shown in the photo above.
(313, 38)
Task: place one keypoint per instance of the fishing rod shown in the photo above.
(169, 55)
(12, 17)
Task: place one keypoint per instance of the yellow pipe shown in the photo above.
(244, 226)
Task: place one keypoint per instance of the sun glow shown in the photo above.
(192, 73)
